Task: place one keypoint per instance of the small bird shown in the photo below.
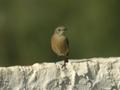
(60, 44)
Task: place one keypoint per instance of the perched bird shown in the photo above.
(60, 44)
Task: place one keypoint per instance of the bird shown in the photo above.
(60, 43)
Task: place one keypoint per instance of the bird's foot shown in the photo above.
(64, 65)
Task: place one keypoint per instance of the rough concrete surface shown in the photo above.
(85, 74)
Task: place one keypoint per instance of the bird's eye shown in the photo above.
(59, 30)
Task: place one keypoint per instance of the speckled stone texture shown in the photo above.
(79, 74)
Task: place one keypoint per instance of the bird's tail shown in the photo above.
(66, 59)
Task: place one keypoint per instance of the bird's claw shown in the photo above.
(64, 66)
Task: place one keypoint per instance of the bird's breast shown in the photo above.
(59, 45)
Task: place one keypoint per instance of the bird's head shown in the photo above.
(60, 30)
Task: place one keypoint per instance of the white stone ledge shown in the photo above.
(85, 74)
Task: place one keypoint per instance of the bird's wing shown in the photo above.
(67, 46)
(64, 46)
(67, 42)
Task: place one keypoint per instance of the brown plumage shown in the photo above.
(59, 43)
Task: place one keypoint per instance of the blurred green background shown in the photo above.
(26, 27)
